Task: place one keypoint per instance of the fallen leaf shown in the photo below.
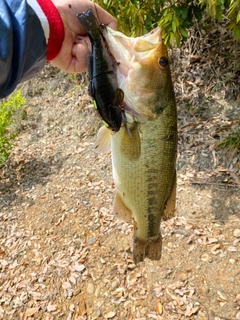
(51, 307)
(232, 249)
(72, 279)
(215, 247)
(212, 240)
(110, 315)
(31, 311)
(79, 267)
(222, 295)
(66, 285)
(190, 311)
(159, 307)
(69, 316)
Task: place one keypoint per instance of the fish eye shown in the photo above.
(163, 62)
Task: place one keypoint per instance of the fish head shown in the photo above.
(143, 71)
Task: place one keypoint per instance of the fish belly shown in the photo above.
(144, 175)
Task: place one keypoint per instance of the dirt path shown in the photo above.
(63, 255)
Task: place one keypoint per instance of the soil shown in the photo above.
(63, 255)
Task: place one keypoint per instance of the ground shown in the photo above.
(63, 255)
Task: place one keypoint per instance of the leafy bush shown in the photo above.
(8, 108)
(136, 17)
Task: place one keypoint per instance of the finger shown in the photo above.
(80, 51)
(104, 16)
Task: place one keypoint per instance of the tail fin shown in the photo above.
(151, 248)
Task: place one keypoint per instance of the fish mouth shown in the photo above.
(131, 54)
(156, 30)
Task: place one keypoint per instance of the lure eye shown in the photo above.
(163, 62)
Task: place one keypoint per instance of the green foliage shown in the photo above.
(8, 108)
(231, 141)
(234, 14)
(136, 17)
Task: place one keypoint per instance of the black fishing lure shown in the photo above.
(103, 87)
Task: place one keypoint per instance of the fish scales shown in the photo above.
(144, 162)
(145, 182)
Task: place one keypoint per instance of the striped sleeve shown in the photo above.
(52, 25)
(22, 44)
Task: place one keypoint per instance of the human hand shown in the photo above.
(75, 48)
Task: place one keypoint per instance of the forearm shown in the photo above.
(31, 32)
(52, 25)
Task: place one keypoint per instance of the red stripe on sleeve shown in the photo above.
(56, 36)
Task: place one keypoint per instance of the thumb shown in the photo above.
(80, 51)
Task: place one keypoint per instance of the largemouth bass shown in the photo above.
(144, 164)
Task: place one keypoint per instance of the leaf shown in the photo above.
(197, 12)
(72, 279)
(159, 307)
(31, 311)
(174, 27)
(238, 17)
(236, 33)
(171, 38)
(232, 249)
(110, 315)
(52, 307)
(184, 32)
(212, 240)
(215, 247)
(222, 295)
(219, 13)
(79, 267)
(181, 11)
(169, 17)
(66, 285)
(190, 311)
(177, 38)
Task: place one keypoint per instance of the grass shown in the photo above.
(9, 108)
(232, 141)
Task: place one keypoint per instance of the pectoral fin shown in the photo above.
(131, 142)
(120, 210)
(170, 207)
(103, 141)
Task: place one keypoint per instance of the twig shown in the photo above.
(201, 304)
(236, 185)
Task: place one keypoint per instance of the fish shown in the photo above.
(103, 87)
(141, 61)
(144, 165)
